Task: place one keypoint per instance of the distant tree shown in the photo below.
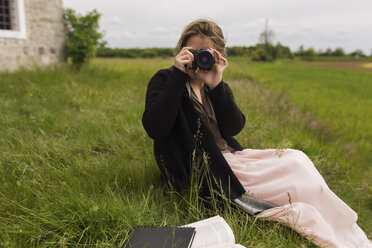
(103, 51)
(338, 52)
(281, 51)
(238, 51)
(258, 53)
(327, 52)
(83, 36)
(309, 53)
(300, 50)
(148, 53)
(357, 54)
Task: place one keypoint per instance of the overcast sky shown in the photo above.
(313, 23)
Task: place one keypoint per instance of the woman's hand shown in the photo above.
(213, 76)
(184, 59)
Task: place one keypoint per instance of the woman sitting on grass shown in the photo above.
(191, 111)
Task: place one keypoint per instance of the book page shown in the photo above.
(212, 233)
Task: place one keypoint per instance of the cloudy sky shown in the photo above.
(313, 23)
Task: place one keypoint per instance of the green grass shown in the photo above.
(335, 59)
(340, 98)
(77, 169)
(331, 109)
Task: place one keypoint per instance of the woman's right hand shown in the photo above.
(184, 59)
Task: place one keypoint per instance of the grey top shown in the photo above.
(207, 116)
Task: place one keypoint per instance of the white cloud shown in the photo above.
(113, 20)
(316, 23)
(117, 34)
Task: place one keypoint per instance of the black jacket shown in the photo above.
(171, 120)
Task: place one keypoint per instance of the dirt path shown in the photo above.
(342, 65)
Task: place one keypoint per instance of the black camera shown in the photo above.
(203, 58)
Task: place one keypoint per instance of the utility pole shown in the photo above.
(266, 31)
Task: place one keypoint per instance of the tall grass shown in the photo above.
(332, 109)
(77, 168)
(340, 98)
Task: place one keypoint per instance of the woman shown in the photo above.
(191, 115)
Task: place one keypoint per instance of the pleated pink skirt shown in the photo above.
(288, 178)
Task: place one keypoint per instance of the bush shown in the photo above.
(82, 36)
(238, 51)
(308, 53)
(135, 52)
(281, 51)
(328, 52)
(338, 52)
(358, 54)
(259, 52)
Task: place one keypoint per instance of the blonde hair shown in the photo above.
(204, 28)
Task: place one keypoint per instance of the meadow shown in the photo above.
(77, 168)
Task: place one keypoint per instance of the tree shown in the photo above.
(309, 53)
(300, 50)
(281, 51)
(328, 52)
(83, 36)
(338, 52)
(357, 54)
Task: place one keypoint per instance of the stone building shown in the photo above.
(31, 33)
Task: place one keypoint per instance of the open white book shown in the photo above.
(213, 233)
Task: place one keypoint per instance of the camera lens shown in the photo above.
(205, 59)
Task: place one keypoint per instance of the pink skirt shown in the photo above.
(289, 178)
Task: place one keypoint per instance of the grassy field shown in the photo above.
(340, 99)
(77, 169)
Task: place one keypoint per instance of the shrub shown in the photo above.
(307, 54)
(148, 53)
(358, 54)
(338, 52)
(82, 36)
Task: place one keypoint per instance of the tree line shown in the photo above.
(338, 52)
(258, 52)
(84, 42)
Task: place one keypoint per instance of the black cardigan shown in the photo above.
(171, 120)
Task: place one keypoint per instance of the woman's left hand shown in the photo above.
(213, 76)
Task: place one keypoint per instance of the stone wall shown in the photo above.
(45, 37)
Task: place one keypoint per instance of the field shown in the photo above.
(362, 66)
(77, 169)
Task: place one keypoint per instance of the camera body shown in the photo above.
(203, 58)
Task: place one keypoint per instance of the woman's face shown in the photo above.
(197, 42)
